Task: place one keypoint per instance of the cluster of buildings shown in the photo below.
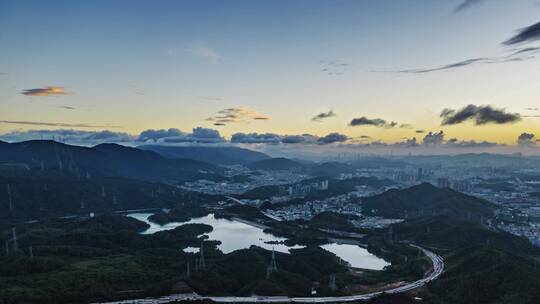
(301, 190)
(242, 179)
(345, 203)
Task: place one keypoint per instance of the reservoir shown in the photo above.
(236, 235)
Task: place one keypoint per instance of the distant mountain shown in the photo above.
(106, 160)
(426, 199)
(276, 164)
(213, 155)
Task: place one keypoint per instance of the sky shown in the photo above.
(378, 72)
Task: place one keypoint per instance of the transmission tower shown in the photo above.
(15, 245)
(9, 198)
(202, 265)
(332, 282)
(272, 267)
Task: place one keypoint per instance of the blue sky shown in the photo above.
(135, 65)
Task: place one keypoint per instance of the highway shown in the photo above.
(434, 273)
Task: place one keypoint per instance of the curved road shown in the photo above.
(436, 260)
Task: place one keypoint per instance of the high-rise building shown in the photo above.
(443, 182)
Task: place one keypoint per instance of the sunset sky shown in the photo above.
(273, 66)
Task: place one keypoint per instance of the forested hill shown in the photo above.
(427, 199)
(213, 155)
(110, 160)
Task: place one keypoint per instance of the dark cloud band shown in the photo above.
(480, 115)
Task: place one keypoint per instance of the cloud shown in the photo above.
(455, 143)
(515, 56)
(46, 91)
(255, 138)
(234, 115)
(173, 135)
(334, 67)
(524, 35)
(155, 135)
(319, 117)
(293, 139)
(481, 115)
(205, 53)
(407, 143)
(67, 108)
(55, 124)
(376, 122)
(434, 139)
(526, 140)
(332, 138)
(467, 4)
(299, 139)
(198, 135)
(70, 135)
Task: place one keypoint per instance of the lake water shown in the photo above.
(236, 235)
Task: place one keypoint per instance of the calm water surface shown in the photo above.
(236, 235)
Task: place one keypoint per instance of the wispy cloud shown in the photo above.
(334, 67)
(46, 91)
(203, 52)
(480, 115)
(234, 115)
(517, 55)
(319, 117)
(466, 4)
(528, 34)
(67, 107)
(55, 124)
